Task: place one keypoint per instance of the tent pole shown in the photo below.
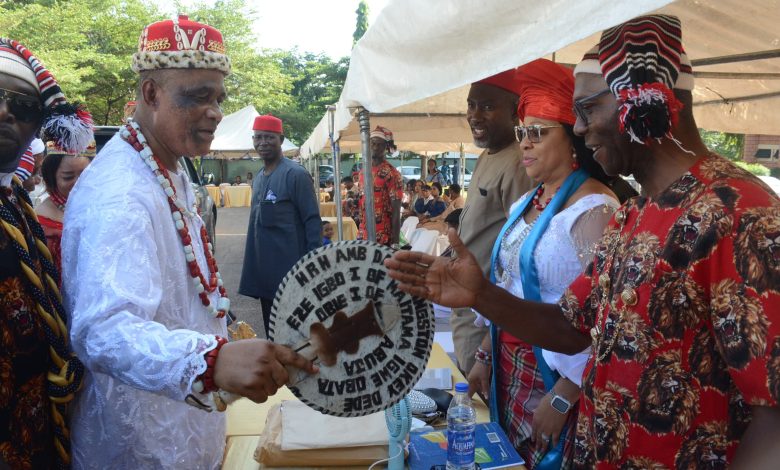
(462, 172)
(336, 172)
(368, 178)
(727, 59)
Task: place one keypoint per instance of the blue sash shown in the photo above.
(529, 278)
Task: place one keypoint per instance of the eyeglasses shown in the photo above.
(25, 108)
(533, 132)
(579, 105)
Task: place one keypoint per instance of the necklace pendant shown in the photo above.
(620, 217)
(595, 332)
(629, 296)
(604, 281)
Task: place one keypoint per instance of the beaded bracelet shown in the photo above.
(483, 356)
(204, 383)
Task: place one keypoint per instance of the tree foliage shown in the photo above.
(755, 168)
(361, 25)
(725, 144)
(88, 45)
(317, 83)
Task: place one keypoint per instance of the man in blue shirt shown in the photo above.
(284, 223)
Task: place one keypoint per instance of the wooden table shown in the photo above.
(246, 419)
(237, 196)
(349, 226)
(328, 209)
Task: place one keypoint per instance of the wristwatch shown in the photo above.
(560, 404)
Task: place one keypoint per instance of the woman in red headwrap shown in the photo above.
(547, 241)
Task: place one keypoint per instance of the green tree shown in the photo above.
(256, 76)
(725, 144)
(755, 168)
(361, 25)
(317, 82)
(87, 45)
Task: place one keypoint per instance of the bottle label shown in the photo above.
(460, 447)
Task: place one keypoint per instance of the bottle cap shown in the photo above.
(461, 387)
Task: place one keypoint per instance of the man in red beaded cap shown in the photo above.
(498, 181)
(285, 220)
(143, 288)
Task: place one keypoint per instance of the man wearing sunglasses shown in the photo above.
(681, 304)
(38, 371)
(499, 179)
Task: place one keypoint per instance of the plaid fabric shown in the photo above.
(520, 388)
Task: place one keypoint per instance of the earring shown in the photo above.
(575, 165)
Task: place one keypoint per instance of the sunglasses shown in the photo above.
(25, 108)
(533, 132)
(580, 106)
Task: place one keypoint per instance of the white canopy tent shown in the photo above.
(233, 137)
(445, 46)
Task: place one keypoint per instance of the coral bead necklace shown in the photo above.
(132, 134)
(535, 201)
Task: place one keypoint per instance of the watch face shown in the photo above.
(560, 404)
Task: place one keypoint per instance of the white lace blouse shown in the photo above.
(136, 321)
(561, 254)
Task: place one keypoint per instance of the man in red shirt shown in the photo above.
(388, 191)
(681, 303)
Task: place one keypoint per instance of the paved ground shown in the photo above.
(231, 240)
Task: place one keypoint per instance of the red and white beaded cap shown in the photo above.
(180, 44)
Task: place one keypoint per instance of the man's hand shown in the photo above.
(452, 282)
(255, 368)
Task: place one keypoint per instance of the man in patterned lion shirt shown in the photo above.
(682, 300)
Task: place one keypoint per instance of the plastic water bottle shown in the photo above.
(461, 420)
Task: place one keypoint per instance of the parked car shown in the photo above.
(409, 173)
(466, 176)
(326, 174)
(208, 210)
(772, 182)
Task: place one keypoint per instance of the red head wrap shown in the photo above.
(546, 91)
(268, 123)
(506, 80)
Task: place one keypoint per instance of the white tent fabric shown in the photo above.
(233, 137)
(424, 69)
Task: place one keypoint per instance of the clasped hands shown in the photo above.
(256, 368)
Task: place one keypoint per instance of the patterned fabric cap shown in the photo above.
(180, 44)
(26, 165)
(382, 133)
(590, 64)
(70, 125)
(641, 62)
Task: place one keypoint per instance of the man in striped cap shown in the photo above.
(38, 371)
(681, 303)
(147, 300)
